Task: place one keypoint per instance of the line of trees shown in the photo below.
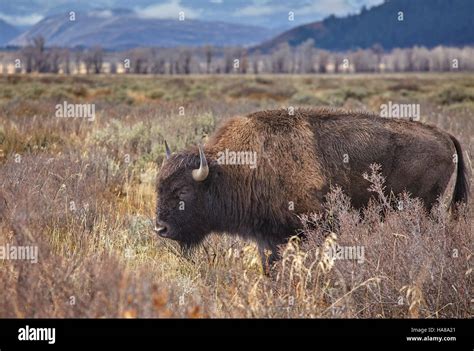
(38, 58)
(303, 59)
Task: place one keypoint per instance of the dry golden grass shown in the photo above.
(83, 192)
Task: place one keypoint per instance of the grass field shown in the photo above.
(83, 192)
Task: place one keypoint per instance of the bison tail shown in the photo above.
(461, 189)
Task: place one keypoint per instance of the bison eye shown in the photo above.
(182, 192)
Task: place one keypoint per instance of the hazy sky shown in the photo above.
(270, 13)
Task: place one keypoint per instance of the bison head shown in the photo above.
(182, 185)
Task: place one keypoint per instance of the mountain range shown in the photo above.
(262, 13)
(124, 29)
(395, 23)
(7, 32)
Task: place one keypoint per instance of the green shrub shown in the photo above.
(454, 94)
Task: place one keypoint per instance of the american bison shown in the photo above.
(258, 173)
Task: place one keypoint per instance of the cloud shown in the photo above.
(260, 9)
(170, 9)
(334, 7)
(101, 13)
(326, 7)
(21, 20)
(317, 8)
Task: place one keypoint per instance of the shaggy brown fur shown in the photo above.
(298, 158)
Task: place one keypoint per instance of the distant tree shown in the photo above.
(305, 52)
(439, 59)
(228, 60)
(244, 62)
(78, 60)
(256, 57)
(39, 59)
(185, 61)
(53, 58)
(337, 61)
(66, 59)
(398, 60)
(113, 67)
(88, 62)
(97, 59)
(420, 57)
(27, 54)
(208, 54)
(139, 61)
(39, 54)
(378, 51)
(466, 58)
(323, 61)
(281, 58)
(363, 61)
(159, 65)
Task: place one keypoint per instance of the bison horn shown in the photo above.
(202, 172)
(168, 152)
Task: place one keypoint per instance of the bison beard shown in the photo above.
(299, 157)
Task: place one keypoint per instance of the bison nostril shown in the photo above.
(161, 230)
